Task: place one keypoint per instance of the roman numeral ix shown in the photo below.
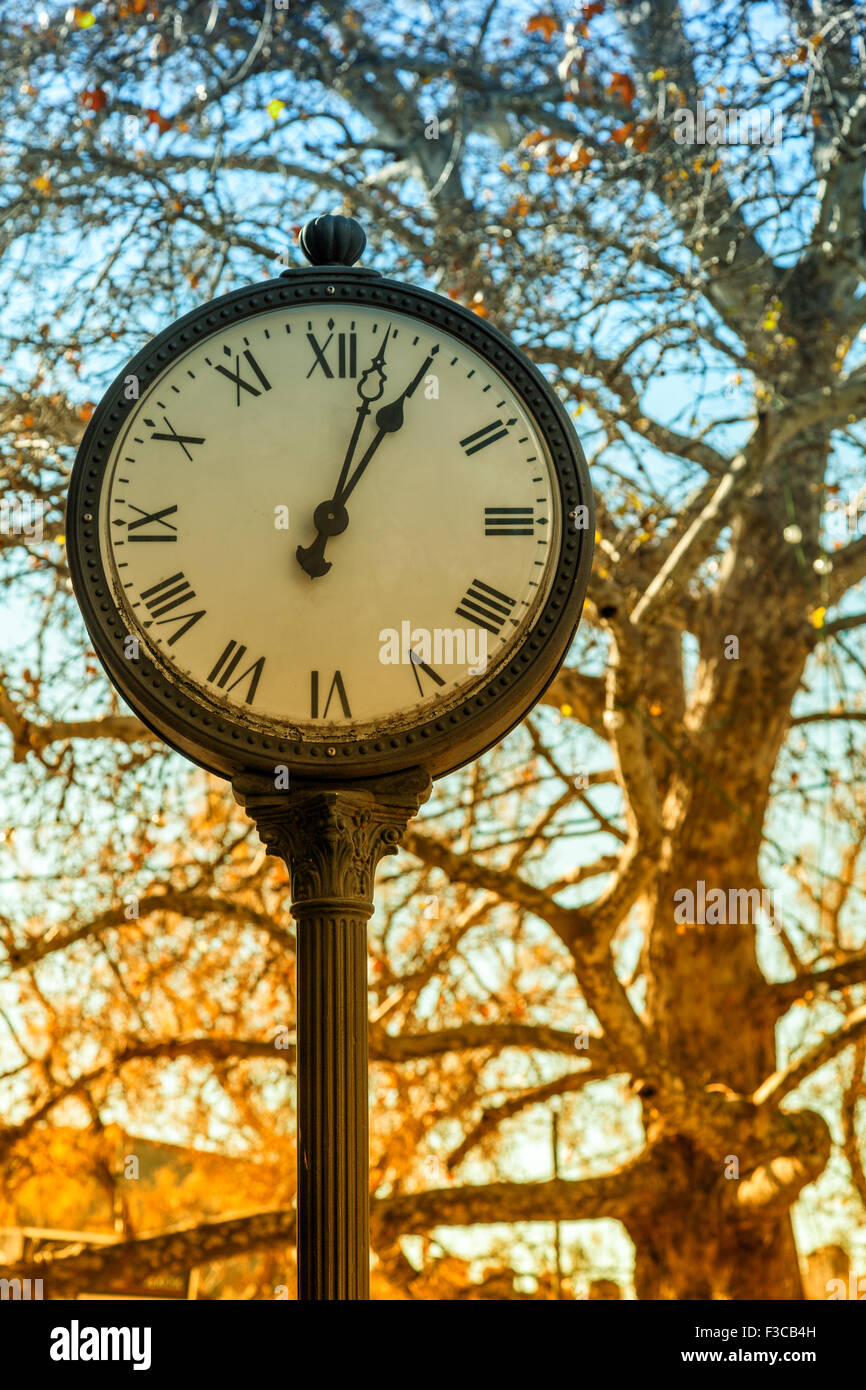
(508, 521)
(157, 518)
(228, 661)
(162, 598)
(488, 434)
(485, 607)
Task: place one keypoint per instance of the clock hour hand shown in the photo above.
(368, 394)
(330, 517)
(389, 419)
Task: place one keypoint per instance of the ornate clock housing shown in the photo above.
(330, 522)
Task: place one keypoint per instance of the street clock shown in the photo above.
(332, 522)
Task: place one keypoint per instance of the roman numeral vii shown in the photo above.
(228, 661)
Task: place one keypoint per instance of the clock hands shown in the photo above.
(330, 517)
(366, 404)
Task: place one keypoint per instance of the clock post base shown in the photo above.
(331, 839)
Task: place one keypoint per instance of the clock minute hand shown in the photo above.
(330, 517)
(389, 419)
(367, 398)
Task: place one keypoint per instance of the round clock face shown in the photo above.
(327, 520)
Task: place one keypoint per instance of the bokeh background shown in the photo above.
(579, 1089)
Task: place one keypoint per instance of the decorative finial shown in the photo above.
(332, 240)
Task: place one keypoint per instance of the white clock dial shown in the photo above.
(424, 556)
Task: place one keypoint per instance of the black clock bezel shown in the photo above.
(215, 736)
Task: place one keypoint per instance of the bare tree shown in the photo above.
(666, 210)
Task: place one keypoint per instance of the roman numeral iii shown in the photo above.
(228, 661)
(508, 521)
(485, 607)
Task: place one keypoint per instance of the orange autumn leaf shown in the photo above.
(622, 86)
(520, 208)
(545, 24)
(93, 100)
(622, 132)
(155, 118)
(590, 11)
(85, 410)
(42, 184)
(579, 160)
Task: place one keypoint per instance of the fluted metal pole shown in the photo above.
(333, 1129)
(332, 839)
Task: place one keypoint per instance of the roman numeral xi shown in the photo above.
(238, 376)
(485, 607)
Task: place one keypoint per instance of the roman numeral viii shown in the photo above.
(336, 685)
(227, 664)
(164, 597)
(508, 521)
(488, 434)
(485, 607)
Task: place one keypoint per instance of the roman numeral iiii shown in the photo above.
(485, 607)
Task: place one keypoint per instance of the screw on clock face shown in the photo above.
(330, 517)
